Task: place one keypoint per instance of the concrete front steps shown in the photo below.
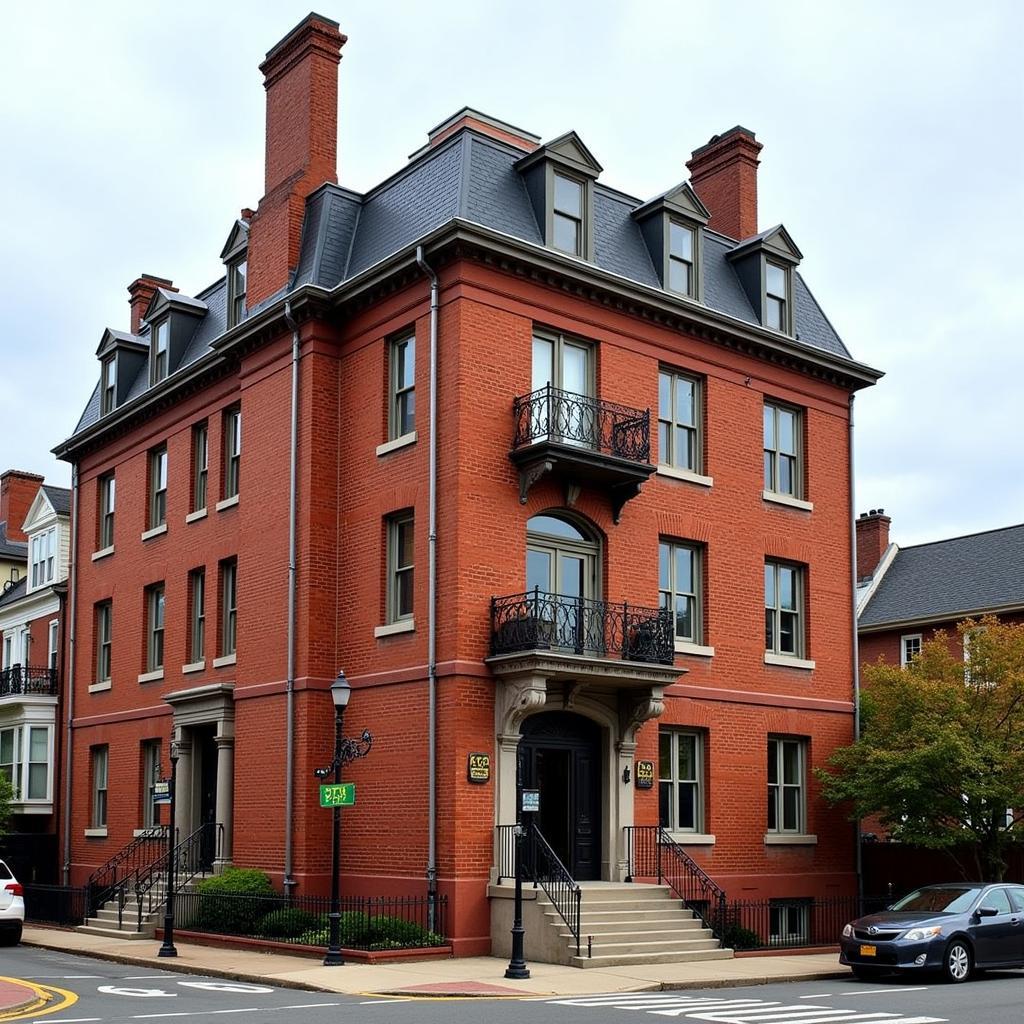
(623, 924)
(105, 921)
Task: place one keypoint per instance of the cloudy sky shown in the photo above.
(133, 133)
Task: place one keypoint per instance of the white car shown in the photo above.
(12, 907)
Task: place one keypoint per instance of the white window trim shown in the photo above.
(24, 745)
(790, 839)
(904, 661)
(788, 500)
(692, 838)
(789, 661)
(99, 687)
(157, 531)
(700, 755)
(799, 834)
(200, 513)
(103, 553)
(399, 442)
(391, 628)
(227, 659)
(151, 677)
(226, 503)
(52, 642)
(193, 666)
(685, 475)
(695, 650)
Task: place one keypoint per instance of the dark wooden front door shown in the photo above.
(561, 754)
(207, 794)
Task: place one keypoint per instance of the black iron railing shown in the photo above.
(63, 905)
(23, 680)
(132, 858)
(564, 417)
(652, 853)
(792, 923)
(538, 620)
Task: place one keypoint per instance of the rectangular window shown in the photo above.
(200, 465)
(100, 757)
(237, 273)
(402, 362)
(787, 782)
(53, 645)
(680, 258)
(108, 385)
(104, 623)
(776, 287)
(910, 648)
(789, 922)
(197, 615)
(44, 557)
(228, 607)
(10, 757)
(38, 767)
(107, 490)
(151, 775)
(155, 627)
(158, 351)
(400, 567)
(783, 609)
(232, 451)
(8, 651)
(567, 225)
(679, 421)
(157, 487)
(782, 470)
(680, 780)
(679, 588)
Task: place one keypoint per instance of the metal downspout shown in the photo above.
(856, 639)
(69, 685)
(289, 784)
(432, 603)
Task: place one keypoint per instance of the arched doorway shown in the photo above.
(561, 757)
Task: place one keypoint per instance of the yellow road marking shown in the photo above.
(45, 994)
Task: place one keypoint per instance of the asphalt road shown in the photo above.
(97, 992)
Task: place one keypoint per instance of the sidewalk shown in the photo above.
(481, 976)
(16, 995)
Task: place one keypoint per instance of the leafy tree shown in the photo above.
(941, 757)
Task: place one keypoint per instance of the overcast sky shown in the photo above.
(131, 134)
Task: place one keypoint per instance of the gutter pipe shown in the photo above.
(289, 784)
(432, 603)
(856, 643)
(69, 687)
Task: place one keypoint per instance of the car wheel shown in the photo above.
(10, 937)
(866, 973)
(956, 963)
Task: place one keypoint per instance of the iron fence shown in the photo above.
(21, 680)
(63, 905)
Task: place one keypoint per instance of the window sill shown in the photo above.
(157, 531)
(193, 666)
(227, 503)
(692, 838)
(405, 626)
(103, 553)
(149, 830)
(788, 500)
(152, 677)
(399, 442)
(99, 687)
(696, 650)
(228, 659)
(686, 475)
(95, 833)
(789, 839)
(194, 517)
(787, 661)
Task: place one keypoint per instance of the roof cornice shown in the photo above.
(931, 620)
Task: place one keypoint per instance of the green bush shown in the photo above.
(359, 931)
(287, 923)
(735, 936)
(233, 902)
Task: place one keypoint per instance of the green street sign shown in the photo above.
(338, 794)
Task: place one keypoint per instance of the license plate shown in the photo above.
(868, 950)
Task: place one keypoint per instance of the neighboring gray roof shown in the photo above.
(13, 592)
(12, 548)
(473, 177)
(59, 498)
(950, 577)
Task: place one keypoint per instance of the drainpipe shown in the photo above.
(69, 685)
(289, 783)
(432, 603)
(856, 640)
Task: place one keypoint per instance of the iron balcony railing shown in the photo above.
(24, 680)
(564, 417)
(538, 620)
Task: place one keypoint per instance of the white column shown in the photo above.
(183, 788)
(225, 797)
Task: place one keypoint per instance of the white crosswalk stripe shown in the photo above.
(723, 1010)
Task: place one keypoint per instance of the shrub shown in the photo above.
(233, 902)
(735, 936)
(362, 931)
(287, 923)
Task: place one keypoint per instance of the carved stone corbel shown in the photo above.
(517, 699)
(638, 707)
(530, 474)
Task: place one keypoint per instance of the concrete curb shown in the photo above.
(31, 1005)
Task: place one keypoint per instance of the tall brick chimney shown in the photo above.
(872, 540)
(724, 174)
(301, 78)
(140, 294)
(17, 492)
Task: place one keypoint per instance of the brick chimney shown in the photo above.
(301, 78)
(17, 492)
(141, 292)
(872, 540)
(724, 174)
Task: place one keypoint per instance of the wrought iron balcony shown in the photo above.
(26, 680)
(583, 439)
(539, 621)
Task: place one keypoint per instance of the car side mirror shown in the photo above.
(987, 912)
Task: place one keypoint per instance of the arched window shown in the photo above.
(560, 557)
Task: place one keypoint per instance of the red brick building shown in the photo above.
(567, 472)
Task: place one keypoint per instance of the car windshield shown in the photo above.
(5, 871)
(943, 899)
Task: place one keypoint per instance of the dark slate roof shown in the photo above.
(59, 498)
(12, 548)
(13, 592)
(473, 177)
(949, 577)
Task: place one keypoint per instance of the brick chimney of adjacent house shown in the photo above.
(17, 492)
(301, 78)
(724, 174)
(141, 292)
(872, 540)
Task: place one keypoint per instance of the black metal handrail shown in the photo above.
(21, 680)
(551, 414)
(126, 863)
(542, 866)
(506, 851)
(652, 852)
(538, 620)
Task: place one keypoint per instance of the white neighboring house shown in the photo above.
(31, 636)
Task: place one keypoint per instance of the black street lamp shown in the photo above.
(344, 751)
(517, 964)
(167, 949)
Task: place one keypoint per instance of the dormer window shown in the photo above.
(776, 296)
(672, 226)
(567, 226)
(158, 352)
(108, 388)
(236, 290)
(43, 560)
(680, 258)
(764, 266)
